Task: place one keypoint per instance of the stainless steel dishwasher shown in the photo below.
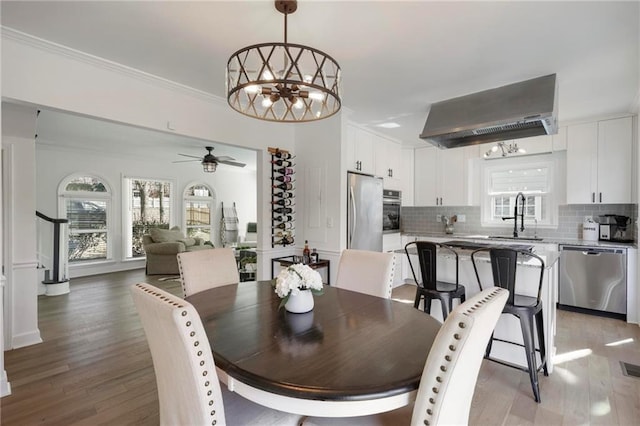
(594, 279)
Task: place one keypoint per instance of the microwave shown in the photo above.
(391, 201)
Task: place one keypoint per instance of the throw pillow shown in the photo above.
(164, 235)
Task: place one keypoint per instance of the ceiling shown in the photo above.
(396, 57)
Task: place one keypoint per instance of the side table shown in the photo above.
(288, 261)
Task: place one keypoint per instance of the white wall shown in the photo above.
(54, 163)
(19, 226)
(43, 75)
(320, 186)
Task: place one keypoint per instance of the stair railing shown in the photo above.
(60, 256)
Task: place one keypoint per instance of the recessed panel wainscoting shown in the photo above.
(94, 367)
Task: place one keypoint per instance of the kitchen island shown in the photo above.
(527, 279)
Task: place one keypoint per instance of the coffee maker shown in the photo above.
(616, 228)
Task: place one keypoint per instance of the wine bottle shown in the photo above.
(285, 225)
(283, 202)
(284, 186)
(283, 178)
(314, 256)
(306, 253)
(285, 171)
(284, 218)
(284, 241)
(282, 163)
(283, 155)
(283, 210)
(283, 194)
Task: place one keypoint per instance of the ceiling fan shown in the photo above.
(210, 162)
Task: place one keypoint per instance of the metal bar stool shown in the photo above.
(429, 287)
(504, 262)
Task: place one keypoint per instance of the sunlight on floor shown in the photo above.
(566, 375)
(570, 356)
(402, 300)
(601, 408)
(620, 342)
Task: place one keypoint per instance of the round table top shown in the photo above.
(351, 346)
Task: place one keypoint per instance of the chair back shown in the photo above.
(368, 272)
(204, 269)
(504, 263)
(428, 260)
(188, 388)
(451, 371)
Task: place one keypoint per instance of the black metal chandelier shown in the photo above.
(283, 81)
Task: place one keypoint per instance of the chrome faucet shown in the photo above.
(515, 215)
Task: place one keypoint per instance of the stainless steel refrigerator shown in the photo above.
(364, 212)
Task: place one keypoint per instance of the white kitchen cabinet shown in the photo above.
(388, 157)
(599, 158)
(360, 153)
(441, 177)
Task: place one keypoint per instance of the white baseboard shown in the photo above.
(5, 386)
(26, 339)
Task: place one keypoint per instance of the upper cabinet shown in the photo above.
(388, 157)
(441, 176)
(360, 156)
(372, 154)
(599, 159)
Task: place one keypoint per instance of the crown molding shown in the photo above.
(96, 61)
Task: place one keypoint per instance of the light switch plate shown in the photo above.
(439, 217)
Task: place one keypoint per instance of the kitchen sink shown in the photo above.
(504, 237)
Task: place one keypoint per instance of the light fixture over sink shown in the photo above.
(283, 81)
(505, 149)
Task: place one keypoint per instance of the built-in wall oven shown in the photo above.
(391, 201)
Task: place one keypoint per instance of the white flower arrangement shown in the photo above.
(295, 278)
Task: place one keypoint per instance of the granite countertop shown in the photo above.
(464, 254)
(523, 240)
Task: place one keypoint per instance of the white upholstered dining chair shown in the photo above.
(188, 387)
(368, 272)
(204, 269)
(451, 371)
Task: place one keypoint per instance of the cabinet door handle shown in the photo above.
(593, 197)
(436, 201)
(601, 197)
(440, 200)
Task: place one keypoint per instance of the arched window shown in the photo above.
(86, 201)
(198, 211)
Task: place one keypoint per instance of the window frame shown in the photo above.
(210, 199)
(65, 195)
(547, 201)
(127, 212)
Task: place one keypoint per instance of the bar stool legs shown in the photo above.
(527, 325)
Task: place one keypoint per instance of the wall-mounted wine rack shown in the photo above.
(282, 198)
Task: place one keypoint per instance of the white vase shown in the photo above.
(300, 303)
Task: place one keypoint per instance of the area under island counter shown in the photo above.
(527, 279)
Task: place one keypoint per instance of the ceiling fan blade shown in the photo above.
(192, 156)
(231, 163)
(225, 158)
(185, 161)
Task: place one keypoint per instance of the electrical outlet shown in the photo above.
(588, 217)
(462, 218)
(439, 217)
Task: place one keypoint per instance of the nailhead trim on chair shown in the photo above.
(191, 333)
(449, 357)
(393, 271)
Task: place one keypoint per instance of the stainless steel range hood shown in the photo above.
(518, 110)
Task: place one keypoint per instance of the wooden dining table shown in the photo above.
(352, 355)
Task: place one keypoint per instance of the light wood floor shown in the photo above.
(94, 367)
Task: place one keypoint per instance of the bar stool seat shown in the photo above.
(504, 262)
(429, 287)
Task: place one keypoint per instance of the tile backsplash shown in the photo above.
(570, 218)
